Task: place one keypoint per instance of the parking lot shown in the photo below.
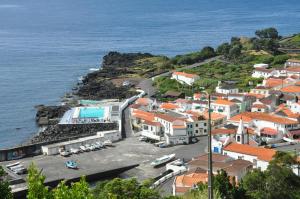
(124, 153)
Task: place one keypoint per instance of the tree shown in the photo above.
(223, 49)
(267, 33)
(36, 187)
(235, 52)
(124, 189)
(77, 190)
(207, 52)
(5, 191)
(278, 181)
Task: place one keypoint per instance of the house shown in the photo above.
(199, 96)
(168, 106)
(263, 73)
(226, 88)
(261, 65)
(185, 78)
(145, 102)
(259, 107)
(259, 121)
(199, 105)
(262, 90)
(294, 70)
(276, 83)
(198, 171)
(295, 107)
(152, 130)
(186, 182)
(291, 90)
(225, 107)
(260, 157)
(292, 62)
(174, 128)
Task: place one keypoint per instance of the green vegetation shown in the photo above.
(291, 42)
(5, 191)
(191, 58)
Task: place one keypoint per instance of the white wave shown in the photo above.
(93, 69)
(9, 6)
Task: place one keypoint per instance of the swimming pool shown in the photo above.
(91, 112)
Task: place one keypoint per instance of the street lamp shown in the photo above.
(210, 175)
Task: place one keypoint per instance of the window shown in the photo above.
(204, 124)
(196, 125)
(238, 138)
(204, 130)
(197, 131)
(146, 127)
(240, 157)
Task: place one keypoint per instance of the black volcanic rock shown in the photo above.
(45, 114)
(123, 60)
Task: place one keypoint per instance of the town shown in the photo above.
(173, 123)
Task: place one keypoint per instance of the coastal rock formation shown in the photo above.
(68, 131)
(122, 60)
(49, 114)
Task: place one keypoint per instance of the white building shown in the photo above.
(260, 157)
(175, 129)
(226, 89)
(185, 78)
(292, 63)
(261, 121)
(261, 65)
(263, 73)
(225, 107)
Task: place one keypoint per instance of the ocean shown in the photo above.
(46, 45)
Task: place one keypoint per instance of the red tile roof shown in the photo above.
(188, 75)
(223, 102)
(291, 89)
(249, 116)
(168, 106)
(261, 153)
(143, 101)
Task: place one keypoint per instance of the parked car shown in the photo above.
(71, 164)
(83, 148)
(65, 153)
(92, 147)
(142, 138)
(100, 144)
(74, 151)
(107, 143)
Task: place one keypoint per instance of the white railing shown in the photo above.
(166, 177)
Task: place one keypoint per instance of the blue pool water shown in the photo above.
(91, 113)
(45, 45)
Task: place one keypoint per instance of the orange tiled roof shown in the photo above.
(294, 69)
(258, 96)
(191, 179)
(197, 95)
(143, 101)
(223, 102)
(188, 75)
(152, 123)
(288, 112)
(273, 82)
(168, 118)
(143, 115)
(259, 106)
(179, 126)
(168, 106)
(214, 116)
(249, 116)
(260, 153)
(291, 89)
(223, 131)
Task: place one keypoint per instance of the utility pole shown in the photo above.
(210, 175)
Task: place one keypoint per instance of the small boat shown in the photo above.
(162, 160)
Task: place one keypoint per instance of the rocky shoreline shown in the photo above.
(97, 85)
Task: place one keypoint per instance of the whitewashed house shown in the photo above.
(261, 65)
(185, 78)
(225, 88)
(292, 63)
(225, 107)
(263, 73)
